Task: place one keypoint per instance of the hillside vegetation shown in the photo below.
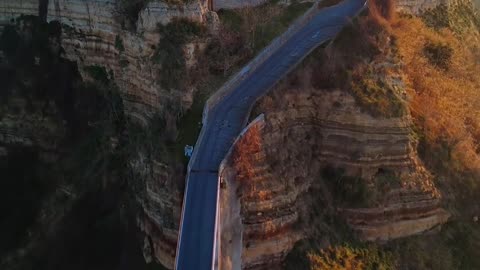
(437, 55)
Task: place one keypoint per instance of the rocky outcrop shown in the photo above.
(161, 212)
(93, 36)
(310, 130)
(405, 213)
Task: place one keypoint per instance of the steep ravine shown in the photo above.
(64, 194)
(90, 34)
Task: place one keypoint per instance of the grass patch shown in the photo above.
(459, 17)
(375, 95)
(119, 44)
(346, 257)
(260, 25)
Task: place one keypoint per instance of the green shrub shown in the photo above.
(169, 53)
(375, 95)
(119, 44)
(438, 54)
(98, 73)
(346, 190)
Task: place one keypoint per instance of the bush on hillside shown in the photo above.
(438, 54)
(128, 12)
(350, 258)
(169, 52)
(347, 191)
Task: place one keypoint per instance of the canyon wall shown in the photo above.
(298, 140)
(160, 200)
(92, 35)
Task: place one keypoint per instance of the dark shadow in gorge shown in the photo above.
(97, 228)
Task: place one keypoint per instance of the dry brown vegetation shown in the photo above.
(440, 69)
(348, 258)
(244, 153)
(443, 82)
(440, 66)
(366, 69)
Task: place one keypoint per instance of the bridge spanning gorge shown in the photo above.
(225, 115)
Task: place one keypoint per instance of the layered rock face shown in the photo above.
(298, 139)
(160, 201)
(93, 37)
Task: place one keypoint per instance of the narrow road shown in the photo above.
(197, 238)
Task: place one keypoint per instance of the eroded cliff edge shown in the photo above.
(326, 148)
(303, 147)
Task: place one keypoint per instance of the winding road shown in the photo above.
(197, 242)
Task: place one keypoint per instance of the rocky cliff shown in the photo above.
(93, 36)
(298, 141)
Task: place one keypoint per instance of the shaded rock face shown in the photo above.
(59, 200)
(160, 201)
(93, 36)
(300, 140)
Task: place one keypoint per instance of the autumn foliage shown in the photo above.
(349, 258)
(244, 153)
(443, 83)
(441, 70)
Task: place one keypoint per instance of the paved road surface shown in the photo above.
(226, 120)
